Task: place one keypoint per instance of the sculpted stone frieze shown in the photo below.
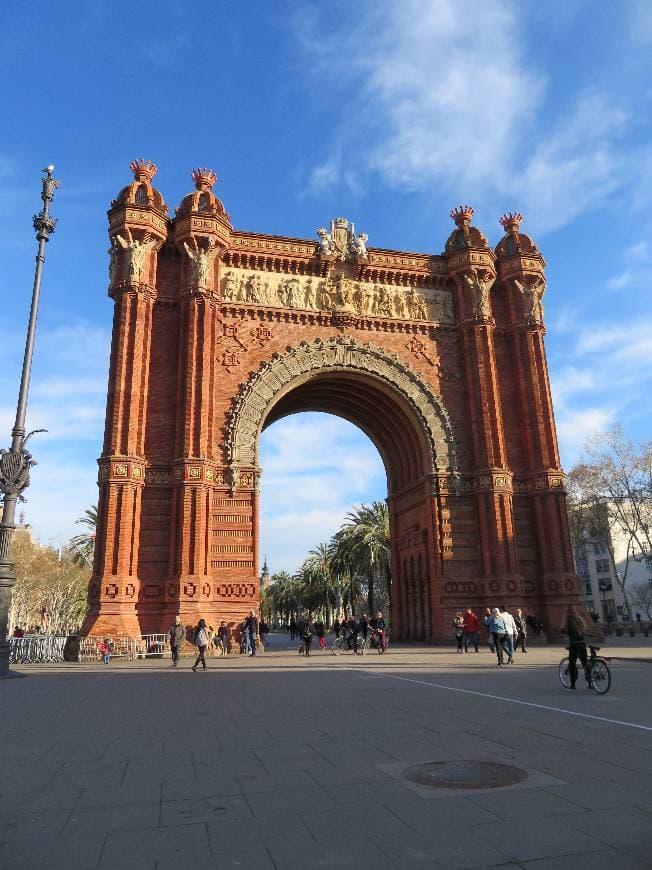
(259, 394)
(279, 290)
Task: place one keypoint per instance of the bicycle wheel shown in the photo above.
(564, 672)
(600, 676)
(337, 646)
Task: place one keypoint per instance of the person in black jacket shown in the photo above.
(177, 634)
(574, 627)
(306, 636)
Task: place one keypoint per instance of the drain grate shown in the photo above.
(464, 774)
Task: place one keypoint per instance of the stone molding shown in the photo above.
(276, 377)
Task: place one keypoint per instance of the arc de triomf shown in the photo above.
(438, 358)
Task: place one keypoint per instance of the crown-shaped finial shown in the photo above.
(143, 170)
(204, 178)
(462, 214)
(511, 221)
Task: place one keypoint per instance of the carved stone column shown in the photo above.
(521, 272)
(471, 266)
(138, 228)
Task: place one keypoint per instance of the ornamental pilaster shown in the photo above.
(472, 269)
(521, 273)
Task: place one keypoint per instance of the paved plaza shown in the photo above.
(282, 762)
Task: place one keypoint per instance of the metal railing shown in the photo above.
(37, 648)
(43, 648)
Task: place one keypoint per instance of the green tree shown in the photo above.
(83, 544)
(50, 588)
(362, 548)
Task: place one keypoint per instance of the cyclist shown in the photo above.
(378, 626)
(574, 627)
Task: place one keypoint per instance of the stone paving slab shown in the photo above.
(94, 776)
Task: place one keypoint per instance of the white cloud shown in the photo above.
(575, 167)
(609, 380)
(67, 397)
(315, 468)
(429, 105)
(574, 427)
(619, 282)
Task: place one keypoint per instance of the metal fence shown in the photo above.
(42, 648)
(36, 648)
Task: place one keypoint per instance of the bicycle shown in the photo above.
(374, 641)
(346, 643)
(597, 674)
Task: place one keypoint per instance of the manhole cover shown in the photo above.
(464, 774)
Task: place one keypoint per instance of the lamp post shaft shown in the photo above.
(16, 462)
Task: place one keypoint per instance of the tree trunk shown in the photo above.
(370, 594)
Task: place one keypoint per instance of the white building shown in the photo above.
(600, 592)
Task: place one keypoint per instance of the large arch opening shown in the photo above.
(320, 473)
(408, 425)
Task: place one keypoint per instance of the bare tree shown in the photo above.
(610, 493)
(642, 598)
(50, 588)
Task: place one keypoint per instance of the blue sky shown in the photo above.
(390, 113)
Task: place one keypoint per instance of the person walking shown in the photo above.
(510, 635)
(497, 628)
(306, 636)
(177, 633)
(458, 627)
(336, 627)
(320, 628)
(574, 627)
(487, 620)
(521, 629)
(471, 628)
(251, 629)
(223, 633)
(293, 629)
(201, 642)
(263, 631)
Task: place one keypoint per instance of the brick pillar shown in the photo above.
(191, 588)
(521, 272)
(115, 587)
(472, 268)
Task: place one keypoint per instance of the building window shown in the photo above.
(587, 588)
(648, 563)
(602, 566)
(141, 195)
(599, 549)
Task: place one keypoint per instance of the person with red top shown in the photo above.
(471, 628)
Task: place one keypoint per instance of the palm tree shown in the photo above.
(318, 569)
(282, 594)
(364, 546)
(83, 544)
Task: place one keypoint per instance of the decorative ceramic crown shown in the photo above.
(511, 221)
(204, 178)
(143, 170)
(462, 214)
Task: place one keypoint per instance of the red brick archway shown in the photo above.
(439, 359)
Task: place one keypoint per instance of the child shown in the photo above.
(105, 650)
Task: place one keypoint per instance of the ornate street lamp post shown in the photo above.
(16, 462)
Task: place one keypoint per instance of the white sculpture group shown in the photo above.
(320, 294)
(341, 241)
